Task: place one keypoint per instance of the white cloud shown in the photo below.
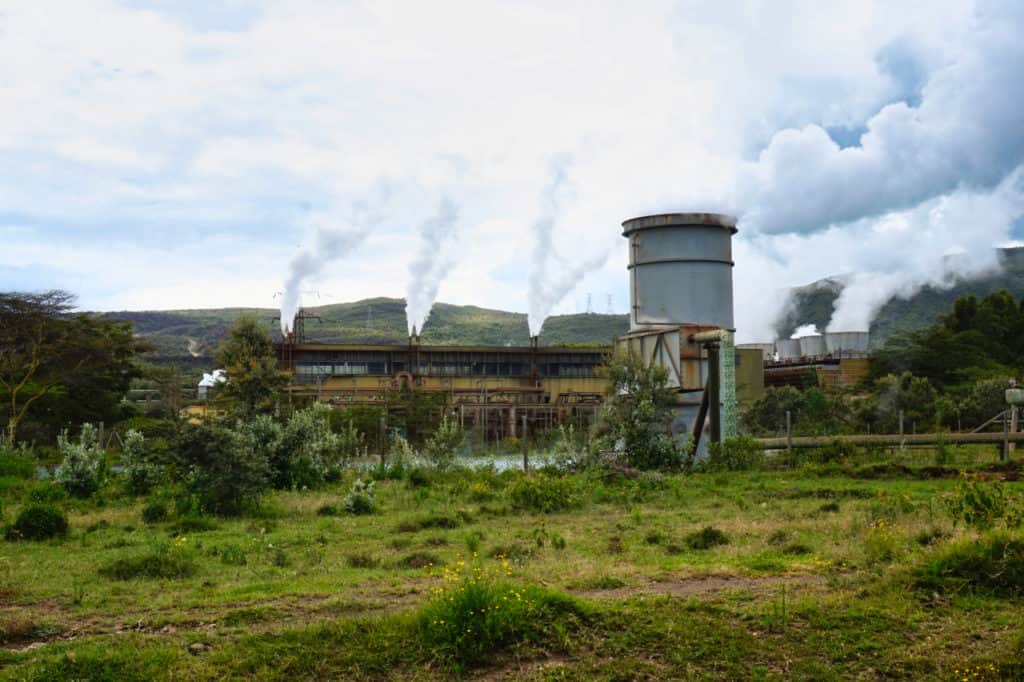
(175, 126)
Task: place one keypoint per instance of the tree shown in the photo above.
(247, 356)
(29, 342)
(636, 415)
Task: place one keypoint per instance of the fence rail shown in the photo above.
(890, 439)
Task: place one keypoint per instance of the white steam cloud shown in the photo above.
(328, 245)
(428, 269)
(546, 289)
(925, 181)
(805, 330)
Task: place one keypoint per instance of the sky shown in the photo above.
(191, 154)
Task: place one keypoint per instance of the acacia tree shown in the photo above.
(247, 356)
(60, 367)
(30, 343)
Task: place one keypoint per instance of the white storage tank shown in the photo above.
(812, 346)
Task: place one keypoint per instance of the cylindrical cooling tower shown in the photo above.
(811, 346)
(838, 342)
(680, 269)
(789, 349)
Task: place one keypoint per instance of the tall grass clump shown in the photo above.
(992, 564)
(165, 560)
(17, 462)
(544, 493)
(475, 612)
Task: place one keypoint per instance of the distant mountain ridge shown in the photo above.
(815, 303)
(189, 337)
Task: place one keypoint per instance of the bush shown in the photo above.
(327, 510)
(418, 477)
(47, 493)
(993, 564)
(39, 522)
(735, 453)
(361, 498)
(154, 512)
(474, 615)
(984, 505)
(543, 493)
(141, 474)
(442, 445)
(168, 560)
(636, 416)
(309, 452)
(706, 538)
(222, 469)
(83, 469)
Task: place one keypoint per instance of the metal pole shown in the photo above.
(380, 441)
(789, 430)
(714, 394)
(526, 447)
(1006, 438)
(901, 430)
(1013, 427)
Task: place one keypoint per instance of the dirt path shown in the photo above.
(703, 585)
(275, 615)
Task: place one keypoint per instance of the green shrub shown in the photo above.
(168, 560)
(706, 538)
(194, 523)
(222, 469)
(882, 542)
(307, 452)
(984, 505)
(140, 474)
(993, 564)
(154, 512)
(473, 617)
(84, 469)
(735, 453)
(442, 445)
(543, 493)
(361, 498)
(47, 493)
(418, 477)
(38, 522)
(327, 510)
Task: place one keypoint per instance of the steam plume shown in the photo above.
(545, 289)
(894, 206)
(328, 245)
(427, 270)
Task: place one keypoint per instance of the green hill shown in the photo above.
(187, 338)
(814, 303)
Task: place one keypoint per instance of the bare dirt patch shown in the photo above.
(696, 586)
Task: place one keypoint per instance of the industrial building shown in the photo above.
(681, 318)
(489, 388)
(830, 360)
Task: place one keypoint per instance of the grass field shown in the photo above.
(811, 573)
